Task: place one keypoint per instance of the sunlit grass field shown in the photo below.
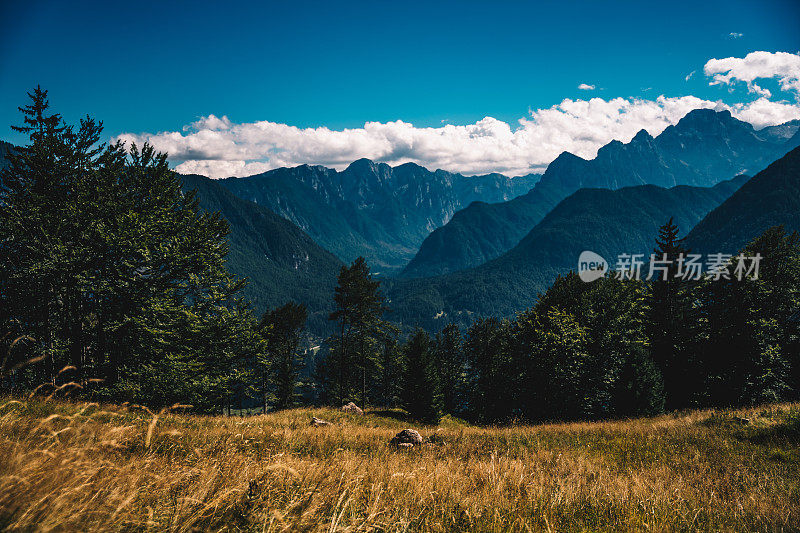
(86, 467)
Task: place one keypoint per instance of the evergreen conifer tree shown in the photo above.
(421, 388)
(671, 321)
(355, 350)
(282, 328)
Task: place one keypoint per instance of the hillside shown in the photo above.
(279, 260)
(81, 467)
(4, 149)
(371, 209)
(703, 148)
(608, 222)
(771, 198)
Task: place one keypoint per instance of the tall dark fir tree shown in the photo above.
(355, 351)
(421, 387)
(282, 328)
(451, 367)
(671, 319)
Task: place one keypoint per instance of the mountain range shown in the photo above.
(607, 222)
(372, 209)
(702, 149)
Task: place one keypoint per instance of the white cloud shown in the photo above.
(210, 122)
(217, 147)
(735, 35)
(586, 87)
(783, 66)
(689, 76)
(764, 112)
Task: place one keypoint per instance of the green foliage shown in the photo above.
(114, 272)
(672, 321)
(390, 374)
(766, 378)
(114, 268)
(280, 366)
(639, 390)
(451, 369)
(608, 222)
(618, 376)
(494, 378)
(749, 338)
(355, 352)
(421, 391)
(280, 262)
(556, 365)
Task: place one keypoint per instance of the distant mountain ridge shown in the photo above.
(702, 149)
(605, 221)
(372, 209)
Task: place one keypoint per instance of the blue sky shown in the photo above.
(156, 67)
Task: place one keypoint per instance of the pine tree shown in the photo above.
(749, 334)
(493, 374)
(618, 376)
(556, 371)
(391, 368)
(672, 323)
(774, 300)
(639, 389)
(359, 308)
(766, 380)
(451, 368)
(43, 232)
(282, 327)
(421, 389)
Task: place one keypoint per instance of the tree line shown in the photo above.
(615, 347)
(113, 283)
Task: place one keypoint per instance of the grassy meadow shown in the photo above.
(82, 466)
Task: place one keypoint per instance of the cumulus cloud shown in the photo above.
(764, 112)
(210, 123)
(735, 35)
(689, 76)
(586, 87)
(217, 147)
(783, 66)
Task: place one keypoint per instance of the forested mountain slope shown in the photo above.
(279, 260)
(608, 222)
(771, 198)
(4, 149)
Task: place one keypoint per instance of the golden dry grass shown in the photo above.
(78, 466)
